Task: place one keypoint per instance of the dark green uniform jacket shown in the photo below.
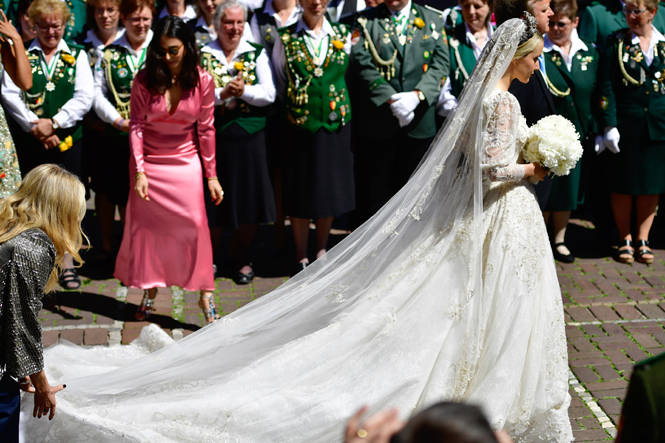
(384, 67)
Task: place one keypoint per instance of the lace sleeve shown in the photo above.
(498, 157)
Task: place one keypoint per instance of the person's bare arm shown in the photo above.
(14, 58)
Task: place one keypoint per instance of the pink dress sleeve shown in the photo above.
(138, 109)
(205, 124)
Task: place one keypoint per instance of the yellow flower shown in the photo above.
(68, 58)
(239, 66)
(338, 44)
(66, 144)
(419, 22)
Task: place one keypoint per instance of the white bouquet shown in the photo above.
(554, 144)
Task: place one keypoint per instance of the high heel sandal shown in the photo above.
(145, 308)
(210, 311)
(626, 255)
(642, 252)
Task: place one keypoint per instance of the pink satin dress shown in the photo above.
(166, 240)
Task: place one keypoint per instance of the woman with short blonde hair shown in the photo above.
(39, 223)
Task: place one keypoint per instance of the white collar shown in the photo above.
(270, 9)
(655, 37)
(576, 44)
(215, 48)
(406, 10)
(472, 38)
(201, 23)
(326, 28)
(62, 46)
(91, 37)
(122, 41)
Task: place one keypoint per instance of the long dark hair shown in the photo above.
(158, 72)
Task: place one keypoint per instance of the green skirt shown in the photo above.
(637, 169)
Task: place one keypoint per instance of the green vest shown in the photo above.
(462, 59)
(119, 77)
(316, 97)
(45, 98)
(251, 118)
(267, 28)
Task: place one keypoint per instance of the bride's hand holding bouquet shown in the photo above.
(553, 146)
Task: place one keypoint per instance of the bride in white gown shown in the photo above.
(448, 292)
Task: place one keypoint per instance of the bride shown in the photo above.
(448, 292)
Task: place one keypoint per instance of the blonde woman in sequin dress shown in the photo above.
(15, 62)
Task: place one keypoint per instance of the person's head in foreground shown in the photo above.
(504, 10)
(52, 199)
(449, 422)
(525, 60)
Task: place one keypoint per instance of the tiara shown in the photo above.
(531, 27)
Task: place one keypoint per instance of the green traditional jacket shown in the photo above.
(600, 20)
(632, 93)
(251, 118)
(574, 91)
(462, 59)
(119, 72)
(316, 97)
(46, 97)
(383, 67)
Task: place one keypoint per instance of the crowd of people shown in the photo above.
(320, 109)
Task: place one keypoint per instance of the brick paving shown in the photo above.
(614, 316)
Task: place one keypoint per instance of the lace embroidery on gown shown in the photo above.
(449, 292)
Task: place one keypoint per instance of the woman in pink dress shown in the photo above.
(166, 240)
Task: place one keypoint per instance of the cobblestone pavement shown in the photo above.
(614, 317)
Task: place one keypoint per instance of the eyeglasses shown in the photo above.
(635, 12)
(172, 51)
(560, 25)
(56, 28)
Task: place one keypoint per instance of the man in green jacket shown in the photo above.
(400, 60)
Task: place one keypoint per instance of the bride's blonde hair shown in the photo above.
(528, 46)
(52, 199)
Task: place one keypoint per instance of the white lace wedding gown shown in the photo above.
(450, 292)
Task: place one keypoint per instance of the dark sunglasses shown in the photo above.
(173, 50)
(559, 24)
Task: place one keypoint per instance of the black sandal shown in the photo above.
(642, 252)
(628, 252)
(69, 280)
(570, 258)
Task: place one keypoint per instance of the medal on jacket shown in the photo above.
(50, 86)
(402, 39)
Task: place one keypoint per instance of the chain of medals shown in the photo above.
(635, 56)
(296, 50)
(122, 100)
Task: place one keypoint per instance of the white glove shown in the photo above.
(404, 104)
(612, 138)
(599, 145)
(403, 121)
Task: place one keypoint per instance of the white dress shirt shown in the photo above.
(655, 38)
(315, 41)
(190, 13)
(447, 101)
(72, 111)
(576, 45)
(260, 94)
(270, 10)
(252, 4)
(336, 11)
(101, 104)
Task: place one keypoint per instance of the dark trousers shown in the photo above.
(543, 190)
(382, 168)
(9, 409)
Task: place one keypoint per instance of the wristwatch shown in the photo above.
(421, 96)
(56, 126)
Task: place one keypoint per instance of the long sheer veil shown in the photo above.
(441, 203)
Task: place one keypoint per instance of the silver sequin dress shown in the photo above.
(26, 261)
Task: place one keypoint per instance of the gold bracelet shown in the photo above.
(138, 174)
(212, 178)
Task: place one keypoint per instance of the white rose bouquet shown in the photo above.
(554, 144)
